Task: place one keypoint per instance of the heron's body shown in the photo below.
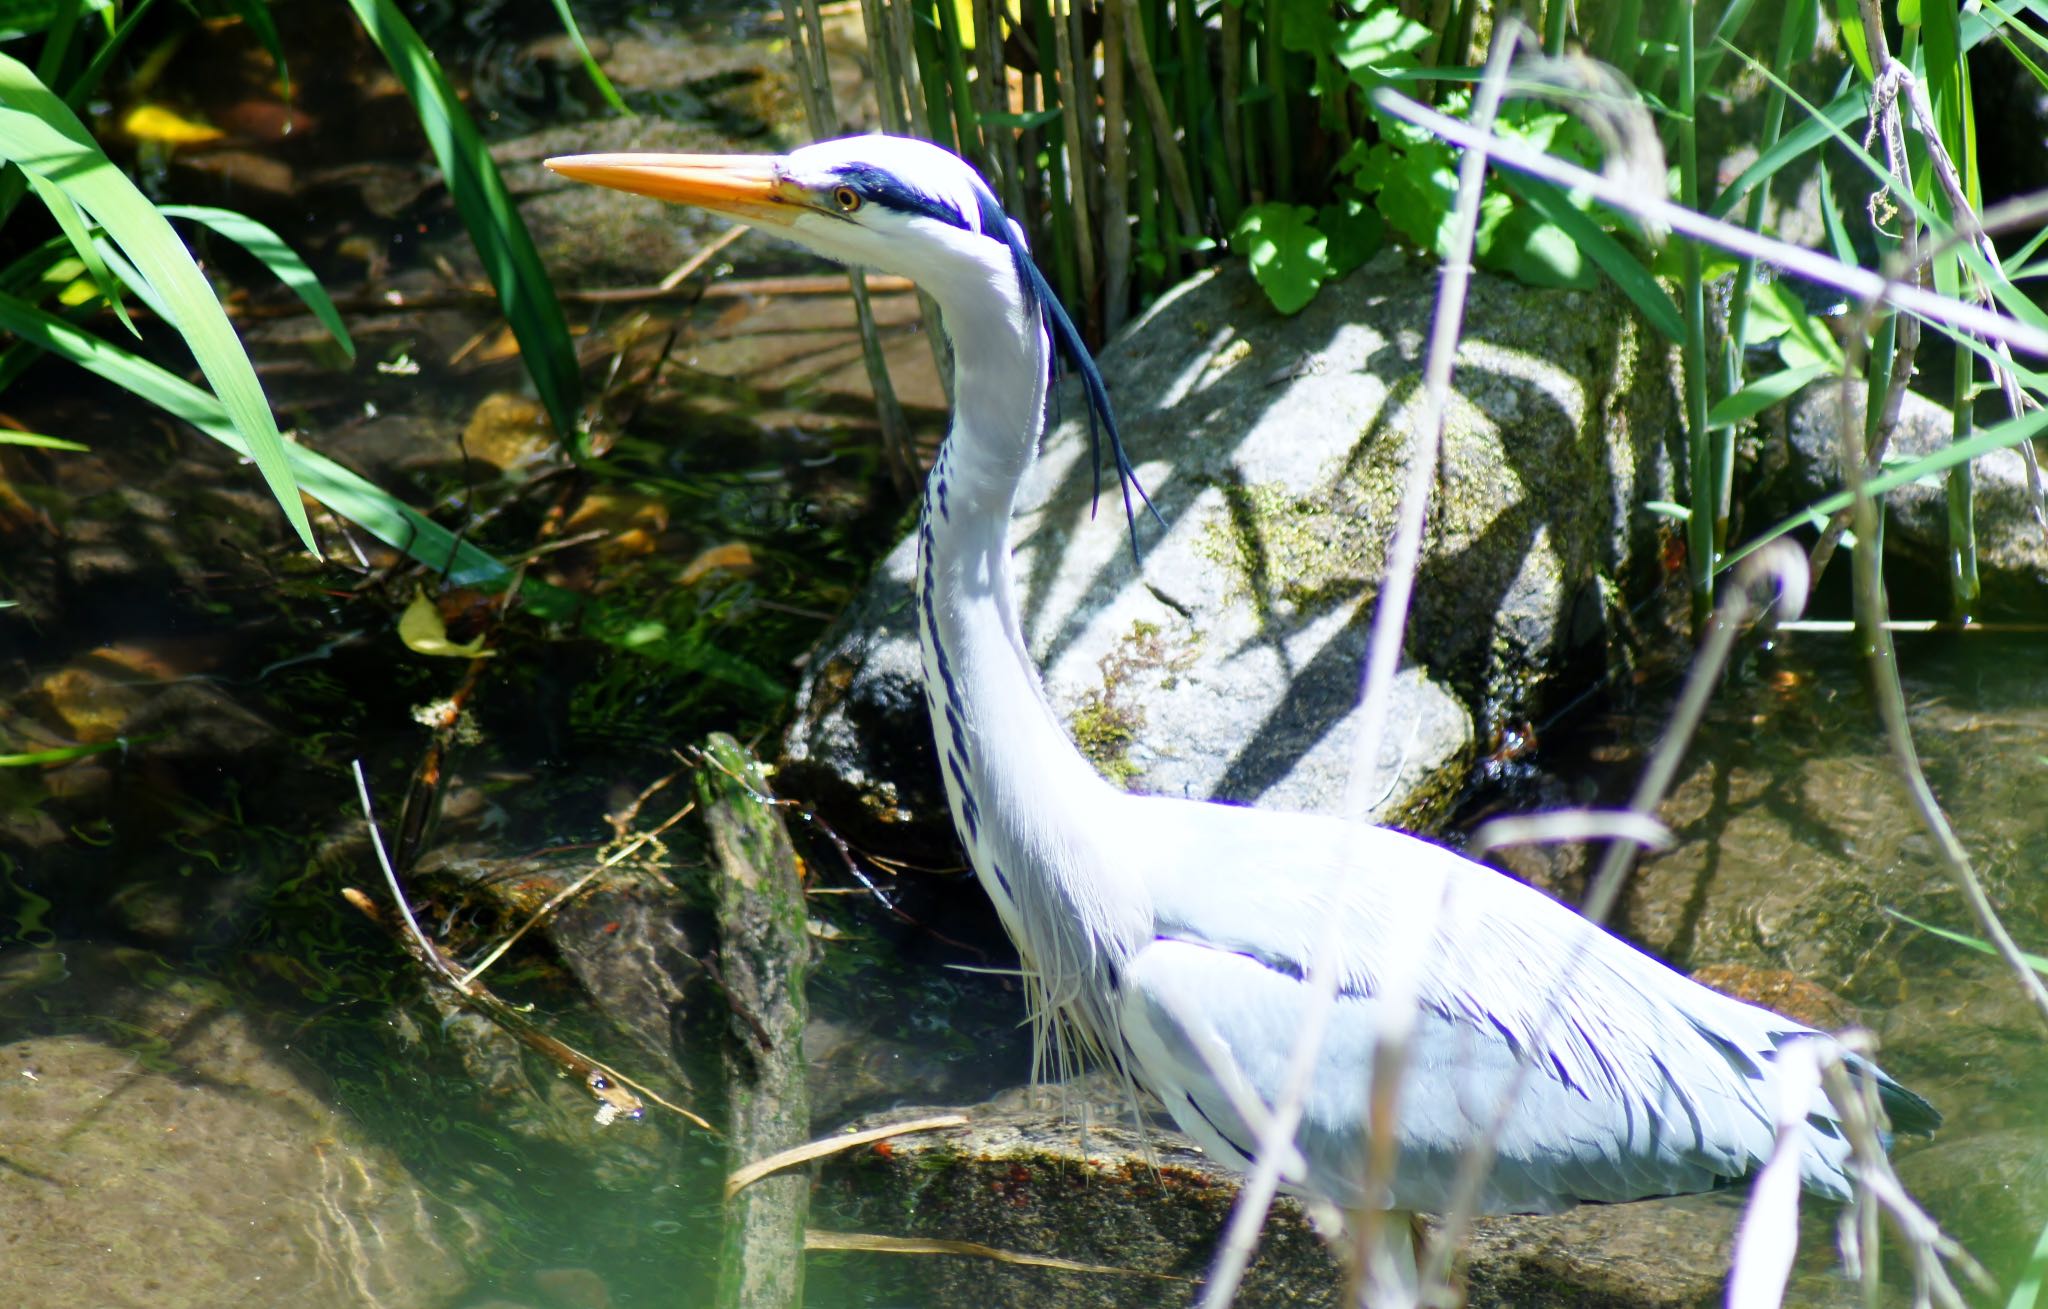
(1183, 941)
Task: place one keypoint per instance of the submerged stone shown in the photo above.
(178, 1161)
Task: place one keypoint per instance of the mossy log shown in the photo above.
(763, 955)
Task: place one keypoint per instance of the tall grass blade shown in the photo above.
(72, 224)
(2026, 1292)
(1622, 266)
(1849, 15)
(510, 261)
(271, 251)
(40, 134)
(1844, 111)
(1795, 33)
(2036, 962)
(596, 75)
(1766, 391)
(82, 87)
(41, 442)
(1948, 85)
(1705, 529)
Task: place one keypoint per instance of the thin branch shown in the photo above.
(412, 925)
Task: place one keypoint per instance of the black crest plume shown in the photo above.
(1066, 338)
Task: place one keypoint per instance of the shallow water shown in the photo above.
(1792, 837)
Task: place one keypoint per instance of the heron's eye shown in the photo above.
(846, 198)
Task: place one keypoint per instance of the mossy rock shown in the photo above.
(1225, 663)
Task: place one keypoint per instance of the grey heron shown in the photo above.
(1178, 939)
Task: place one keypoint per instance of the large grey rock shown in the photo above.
(1227, 664)
(2012, 547)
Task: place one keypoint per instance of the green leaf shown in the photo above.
(1306, 26)
(1384, 38)
(1355, 231)
(66, 753)
(1850, 107)
(1948, 88)
(87, 84)
(1764, 392)
(1287, 254)
(2034, 961)
(1537, 252)
(41, 135)
(72, 224)
(1849, 18)
(40, 442)
(514, 267)
(283, 261)
(1849, 144)
(2021, 58)
(1537, 128)
(1839, 243)
(1022, 122)
(1622, 267)
(1776, 314)
(364, 503)
(1415, 188)
(2026, 1291)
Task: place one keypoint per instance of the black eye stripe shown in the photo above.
(878, 186)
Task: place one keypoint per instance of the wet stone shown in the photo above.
(1989, 1190)
(1789, 859)
(2012, 547)
(1781, 992)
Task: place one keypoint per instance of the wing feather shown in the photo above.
(1620, 1079)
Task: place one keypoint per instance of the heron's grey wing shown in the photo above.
(1622, 1079)
(1212, 1031)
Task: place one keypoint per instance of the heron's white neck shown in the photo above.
(1024, 800)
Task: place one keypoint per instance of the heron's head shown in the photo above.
(890, 203)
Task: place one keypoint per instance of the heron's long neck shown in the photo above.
(1015, 781)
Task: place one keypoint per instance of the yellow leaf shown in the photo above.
(423, 632)
(161, 125)
(732, 557)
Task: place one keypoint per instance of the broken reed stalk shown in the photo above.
(763, 956)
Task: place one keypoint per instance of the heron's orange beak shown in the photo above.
(750, 188)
